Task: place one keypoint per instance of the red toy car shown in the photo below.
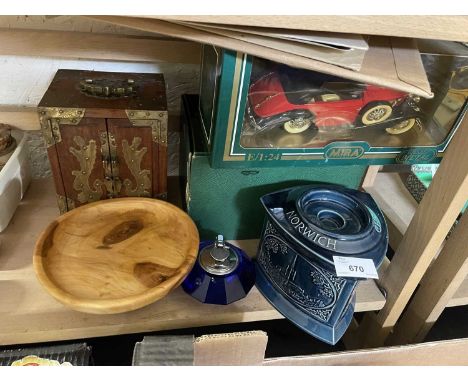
(298, 99)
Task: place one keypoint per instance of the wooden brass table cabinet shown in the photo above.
(106, 135)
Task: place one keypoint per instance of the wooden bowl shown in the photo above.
(116, 255)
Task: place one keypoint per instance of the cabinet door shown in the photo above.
(81, 155)
(135, 160)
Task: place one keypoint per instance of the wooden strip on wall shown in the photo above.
(94, 46)
(23, 118)
(70, 23)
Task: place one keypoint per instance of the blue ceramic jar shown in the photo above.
(304, 228)
(222, 274)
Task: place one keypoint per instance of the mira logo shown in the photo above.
(344, 152)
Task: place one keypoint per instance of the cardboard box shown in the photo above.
(228, 77)
(227, 201)
(248, 348)
(438, 353)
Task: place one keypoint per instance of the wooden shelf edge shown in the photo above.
(30, 315)
(110, 325)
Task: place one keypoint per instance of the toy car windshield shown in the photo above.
(304, 87)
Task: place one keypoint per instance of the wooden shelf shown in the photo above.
(435, 27)
(399, 206)
(30, 315)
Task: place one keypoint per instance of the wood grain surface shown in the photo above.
(152, 161)
(428, 229)
(418, 26)
(95, 46)
(30, 314)
(150, 92)
(64, 164)
(395, 201)
(437, 287)
(116, 255)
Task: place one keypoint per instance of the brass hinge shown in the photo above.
(52, 117)
(65, 204)
(156, 119)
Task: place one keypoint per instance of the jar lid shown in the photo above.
(223, 273)
(334, 213)
(218, 258)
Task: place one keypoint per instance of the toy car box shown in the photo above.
(259, 113)
(227, 200)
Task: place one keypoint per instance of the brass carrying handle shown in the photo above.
(104, 88)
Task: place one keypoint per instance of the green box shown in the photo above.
(227, 201)
(225, 81)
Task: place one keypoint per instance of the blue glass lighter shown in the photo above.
(222, 274)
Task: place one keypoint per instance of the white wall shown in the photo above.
(24, 79)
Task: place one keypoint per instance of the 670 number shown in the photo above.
(355, 268)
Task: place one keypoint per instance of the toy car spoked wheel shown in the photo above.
(401, 127)
(376, 113)
(298, 125)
